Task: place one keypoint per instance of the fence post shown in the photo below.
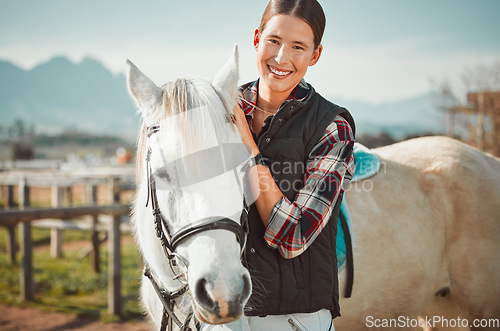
(114, 263)
(11, 229)
(56, 235)
(27, 285)
(94, 254)
(69, 195)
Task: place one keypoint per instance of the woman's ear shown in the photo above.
(316, 55)
(256, 39)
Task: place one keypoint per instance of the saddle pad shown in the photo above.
(367, 165)
(341, 245)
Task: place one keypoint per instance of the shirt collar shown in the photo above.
(250, 94)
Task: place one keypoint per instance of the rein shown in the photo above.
(170, 242)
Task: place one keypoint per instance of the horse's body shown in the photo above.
(426, 233)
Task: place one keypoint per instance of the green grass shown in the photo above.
(68, 284)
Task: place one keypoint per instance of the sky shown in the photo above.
(374, 50)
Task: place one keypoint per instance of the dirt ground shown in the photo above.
(17, 319)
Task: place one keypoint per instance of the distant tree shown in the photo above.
(3, 133)
(17, 130)
(482, 77)
(474, 113)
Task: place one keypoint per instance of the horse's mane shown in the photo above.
(193, 128)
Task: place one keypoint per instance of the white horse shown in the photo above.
(189, 160)
(426, 233)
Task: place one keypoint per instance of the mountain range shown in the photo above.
(418, 115)
(60, 95)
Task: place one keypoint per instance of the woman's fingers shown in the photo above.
(246, 135)
(240, 120)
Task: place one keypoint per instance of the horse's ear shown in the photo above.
(145, 93)
(227, 79)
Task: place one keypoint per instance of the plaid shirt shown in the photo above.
(294, 225)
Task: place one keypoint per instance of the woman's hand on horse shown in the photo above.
(246, 135)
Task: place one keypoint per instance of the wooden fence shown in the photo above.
(110, 217)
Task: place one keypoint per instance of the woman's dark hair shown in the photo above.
(308, 10)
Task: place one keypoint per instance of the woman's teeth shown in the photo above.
(279, 73)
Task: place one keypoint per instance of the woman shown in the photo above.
(302, 147)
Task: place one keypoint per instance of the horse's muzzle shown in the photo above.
(215, 305)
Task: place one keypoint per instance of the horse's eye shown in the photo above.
(162, 174)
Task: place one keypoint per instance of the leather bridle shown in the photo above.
(170, 242)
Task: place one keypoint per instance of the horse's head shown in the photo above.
(190, 161)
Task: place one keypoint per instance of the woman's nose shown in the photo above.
(282, 56)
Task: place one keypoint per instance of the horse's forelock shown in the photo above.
(179, 97)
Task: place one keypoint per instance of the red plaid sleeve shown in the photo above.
(294, 225)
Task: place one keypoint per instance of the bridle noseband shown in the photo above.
(170, 242)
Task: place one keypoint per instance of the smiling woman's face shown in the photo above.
(285, 49)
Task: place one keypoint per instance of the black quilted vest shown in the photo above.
(308, 282)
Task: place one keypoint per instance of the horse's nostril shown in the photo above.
(202, 296)
(229, 305)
